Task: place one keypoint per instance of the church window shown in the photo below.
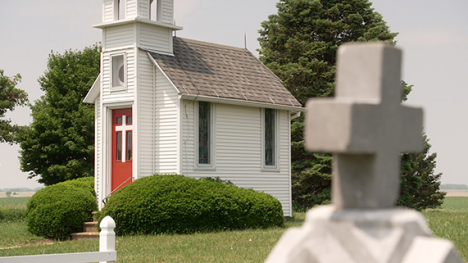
(118, 156)
(205, 136)
(129, 145)
(269, 138)
(118, 71)
(204, 132)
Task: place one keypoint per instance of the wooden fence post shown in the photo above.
(107, 236)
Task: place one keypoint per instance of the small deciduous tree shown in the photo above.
(10, 97)
(59, 143)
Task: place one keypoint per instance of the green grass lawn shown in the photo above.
(451, 222)
(227, 246)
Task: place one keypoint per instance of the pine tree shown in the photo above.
(419, 184)
(299, 45)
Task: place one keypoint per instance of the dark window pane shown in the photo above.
(129, 145)
(119, 146)
(129, 120)
(119, 120)
(121, 74)
(204, 133)
(269, 137)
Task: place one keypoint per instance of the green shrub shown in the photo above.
(178, 204)
(217, 180)
(84, 182)
(58, 210)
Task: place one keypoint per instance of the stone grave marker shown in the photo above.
(365, 127)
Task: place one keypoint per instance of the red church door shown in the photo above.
(122, 148)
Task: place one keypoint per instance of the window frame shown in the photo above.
(111, 73)
(212, 157)
(275, 166)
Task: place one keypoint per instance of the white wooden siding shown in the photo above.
(119, 36)
(108, 10)
(158, 119)
(143, 9)
(168, 11)
(132, 9)
(238, 150)
(188, 136)
(110, 96)
(97, 147)
(166, 119)
(146, 120)
(155, 38)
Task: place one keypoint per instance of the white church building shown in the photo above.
(165, 104)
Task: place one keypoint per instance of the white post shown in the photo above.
(107, 236)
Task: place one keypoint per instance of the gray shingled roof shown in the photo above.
(206, 69)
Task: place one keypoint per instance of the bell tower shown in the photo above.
(147, 24)
(127, 84)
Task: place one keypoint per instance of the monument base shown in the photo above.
(363, 236)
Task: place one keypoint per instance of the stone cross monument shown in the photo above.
(366, 128)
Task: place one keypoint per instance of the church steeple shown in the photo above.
(156, 10)
(146, 24)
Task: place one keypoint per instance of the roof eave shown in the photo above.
(137, 19)
(94, 92)
(242, 102)
(155, 63)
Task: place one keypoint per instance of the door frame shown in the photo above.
(106, 183)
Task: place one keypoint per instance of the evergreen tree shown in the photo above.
(10, 97)
(59, 143)
(299, 45)
(420, 186)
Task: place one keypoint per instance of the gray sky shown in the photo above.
(433, 36)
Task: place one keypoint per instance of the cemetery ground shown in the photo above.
(450, 222)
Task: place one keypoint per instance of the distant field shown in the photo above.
(18, 194)
(458, 203)
(14, 202)
(13, 209)
(456, 192)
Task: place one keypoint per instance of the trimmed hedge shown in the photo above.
(84, 182)
(58, 210)
(179, 204)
